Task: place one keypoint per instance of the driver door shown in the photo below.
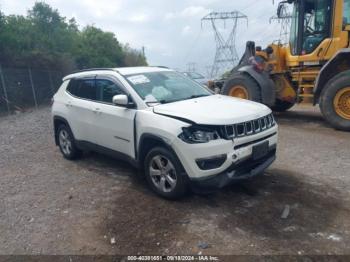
(114, 125)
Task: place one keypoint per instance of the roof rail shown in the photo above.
(93, 69)
(162, 67)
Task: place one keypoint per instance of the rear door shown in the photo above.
(113, 124)
(82, 97)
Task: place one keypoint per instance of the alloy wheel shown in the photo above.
(163, 173)
(65, 142)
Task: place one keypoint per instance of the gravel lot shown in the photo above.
(49, 205)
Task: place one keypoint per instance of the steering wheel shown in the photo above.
(309, 30)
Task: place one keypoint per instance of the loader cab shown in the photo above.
(310, 25)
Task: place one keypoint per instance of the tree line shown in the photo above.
(45, 39)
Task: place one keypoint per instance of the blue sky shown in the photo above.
(170, 30)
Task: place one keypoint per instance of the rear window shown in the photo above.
(83, 88)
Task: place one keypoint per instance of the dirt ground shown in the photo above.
(49, 205)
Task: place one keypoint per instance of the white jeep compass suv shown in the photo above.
(166, 124)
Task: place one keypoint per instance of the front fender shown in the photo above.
(268, 90)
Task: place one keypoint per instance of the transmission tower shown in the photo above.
(191, 67)
(226, 54)
(284, 20)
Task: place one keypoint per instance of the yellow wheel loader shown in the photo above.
(314, 67)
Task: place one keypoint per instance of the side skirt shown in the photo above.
(88, 146)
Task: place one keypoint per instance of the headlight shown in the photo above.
(196, 135)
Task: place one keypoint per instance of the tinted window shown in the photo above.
(83, 88)
(107, 89)
(316, 23)
(294, 30)
(346, 16)
(72, 87)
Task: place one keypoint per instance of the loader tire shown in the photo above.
(335, 101)
(242, 86)
(282, 106)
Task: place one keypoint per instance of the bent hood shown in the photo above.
(214, 110)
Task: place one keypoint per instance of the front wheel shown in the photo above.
(335, 101)
(165, 174)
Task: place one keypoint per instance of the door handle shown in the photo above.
(69, 104)
(96, 110)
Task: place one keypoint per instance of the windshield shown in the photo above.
(346, 13)
(316, 15)
(165, 87)
(316, 24)
(294, 30)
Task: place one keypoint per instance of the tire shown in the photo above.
(282, 106)
(238, 80)
(337, 117)
(66, 143)
(174, 185)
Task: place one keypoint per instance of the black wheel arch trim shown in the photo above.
(55, 128)
(158, 138)
(268, 91)
(145, 136)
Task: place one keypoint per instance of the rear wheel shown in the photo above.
(282, 106)
(242, 86)
(66, 143)
(335, 101)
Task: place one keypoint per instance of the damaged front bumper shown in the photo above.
(243, 170)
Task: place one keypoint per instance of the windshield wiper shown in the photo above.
(177, 100)
(168, 101)
(198, 96)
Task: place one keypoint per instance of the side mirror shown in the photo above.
(280, 9)
(121, 100)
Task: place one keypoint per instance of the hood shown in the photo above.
(214, 110)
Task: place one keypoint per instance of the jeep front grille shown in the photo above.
(250, 127)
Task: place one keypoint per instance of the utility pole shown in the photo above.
(208, 70)
(226, 55)
(191, 67)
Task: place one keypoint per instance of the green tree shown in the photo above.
(15, 37)
(45, 39)
(133, 56)
(98, 49)
(51, 31)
